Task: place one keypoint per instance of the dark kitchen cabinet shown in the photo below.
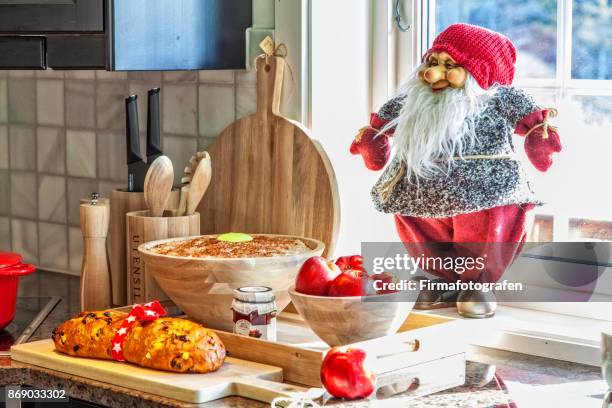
(124, 34)
(49, 16)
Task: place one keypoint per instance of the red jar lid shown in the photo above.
(9, 259)
(10, 265)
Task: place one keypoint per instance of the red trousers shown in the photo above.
(496, 234)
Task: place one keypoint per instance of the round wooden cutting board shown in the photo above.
(268, 175)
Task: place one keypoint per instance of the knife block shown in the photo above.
(142, 228)
(123, 202)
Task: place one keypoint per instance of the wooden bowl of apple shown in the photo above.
(200, 273)
(340, 304)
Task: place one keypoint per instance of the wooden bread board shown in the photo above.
(438, 361)
(268, 175)
(236, 377)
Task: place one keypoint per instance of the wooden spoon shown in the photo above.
(200, 179)
(158, 185)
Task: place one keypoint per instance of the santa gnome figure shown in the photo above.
(453, 177)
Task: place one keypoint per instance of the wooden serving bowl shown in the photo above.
(344, 320)
(203, 287)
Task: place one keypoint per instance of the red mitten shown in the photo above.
(374, 148)
(541, 139)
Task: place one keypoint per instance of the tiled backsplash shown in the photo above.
(62, 137)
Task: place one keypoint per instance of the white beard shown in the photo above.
(433, 127)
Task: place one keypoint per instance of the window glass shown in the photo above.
(592, 39)
(577, 183)
(530, 24)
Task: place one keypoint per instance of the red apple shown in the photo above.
(384, 277)
(344, 375)
(350, 283)
(350, 262)
(315, 276)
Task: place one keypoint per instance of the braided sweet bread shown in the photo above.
(166, 343)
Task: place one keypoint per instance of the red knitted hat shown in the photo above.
(487, 55)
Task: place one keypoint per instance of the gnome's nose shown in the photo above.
(433, 74)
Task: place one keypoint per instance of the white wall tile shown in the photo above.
(180, 109)
(52, 198)
(246, 77)
(110, 75)
(81, 153)
(110, 105)
(216, 76)
(246, 101)
(3, 101)
(181, 76)
(21, 73)
(110, 153)
(50, 73)
(4, 148)
(22, 101)
(80, 104)
(4, 192)
(24, 237)
(23, 195)
(22, 143)
(5, 234)
(53, 240)
(50, 102)
(216, 108)
(51, 150)
(80, 74)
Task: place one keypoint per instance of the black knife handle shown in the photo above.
(131, 128)
(153, 128)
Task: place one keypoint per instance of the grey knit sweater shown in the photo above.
(469, 185)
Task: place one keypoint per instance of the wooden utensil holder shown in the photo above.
(123, 202)
(141, 228)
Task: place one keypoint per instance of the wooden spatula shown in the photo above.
(200, 179)
(195, 181)
(158, 185)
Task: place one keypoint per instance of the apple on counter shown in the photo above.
(346, 277)
(344, 373)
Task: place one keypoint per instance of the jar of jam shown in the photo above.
(255, 312)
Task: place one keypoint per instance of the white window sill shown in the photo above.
(544, 334)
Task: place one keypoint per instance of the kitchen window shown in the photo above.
(564, 59)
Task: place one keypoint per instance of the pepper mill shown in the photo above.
(95, 274)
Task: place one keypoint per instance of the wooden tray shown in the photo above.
(236, 377)
(427, 348)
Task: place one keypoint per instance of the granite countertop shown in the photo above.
(523, 373)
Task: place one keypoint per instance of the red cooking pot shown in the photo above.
(11, 268)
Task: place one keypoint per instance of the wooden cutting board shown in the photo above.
(268, 175)
(236, 377)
